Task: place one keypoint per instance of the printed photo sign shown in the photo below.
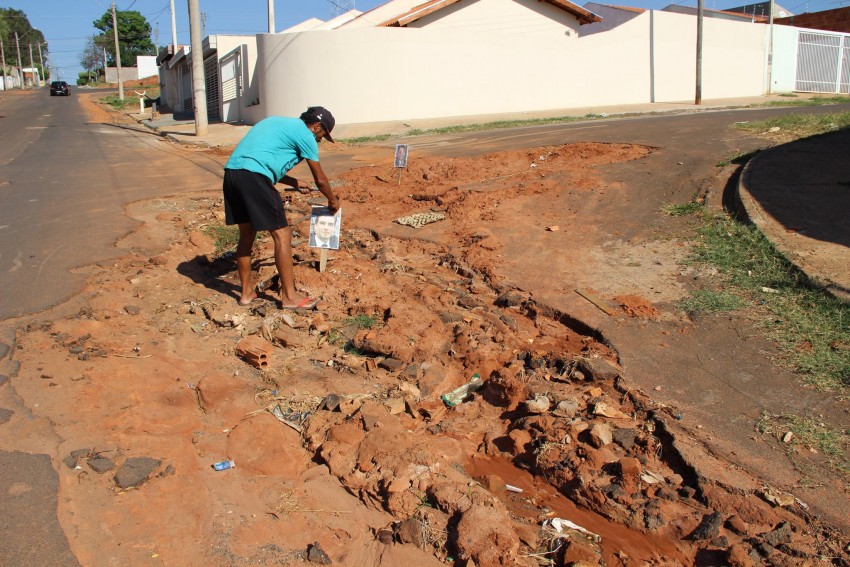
(400, 155)
(325, 228)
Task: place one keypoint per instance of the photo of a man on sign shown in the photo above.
(324, 228)
(400, 155)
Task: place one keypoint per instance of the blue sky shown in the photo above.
(66, 24)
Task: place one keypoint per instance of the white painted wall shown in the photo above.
(386, 74)
(146, 64)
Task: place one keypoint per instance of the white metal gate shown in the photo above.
(823, 62)
(213, 94)
(231, 88)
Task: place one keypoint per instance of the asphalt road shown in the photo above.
(64, 181)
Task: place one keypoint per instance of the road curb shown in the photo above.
(752, 210)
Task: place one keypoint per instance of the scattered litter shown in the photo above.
(224, 465)
(457, 395)
(511, 488)
(559, 525)
(420, 219)
(777, 497)
(293, 419)
(788, 437)
(553, 228)
(769, 290)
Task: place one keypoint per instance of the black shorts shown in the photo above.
(251, 198)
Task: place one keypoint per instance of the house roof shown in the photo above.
(583, 16)
(626, 8)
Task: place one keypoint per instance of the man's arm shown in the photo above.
(323, 184)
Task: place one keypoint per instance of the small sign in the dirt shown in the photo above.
(400, 155)
(325, 228)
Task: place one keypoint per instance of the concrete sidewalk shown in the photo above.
(797, 194)
(181, 127)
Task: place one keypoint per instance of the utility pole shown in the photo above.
(770, 52)
(203, 24)
(20, 65)
(3, 63)
(698, 96)
(32, 68)
(104, 63)
(173, 29)
(41, 59)
(271, 16)
(198, 83)
(118, 54)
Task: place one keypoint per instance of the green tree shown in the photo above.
(12, 21)
(134, 36)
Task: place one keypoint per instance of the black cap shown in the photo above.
(325, 117)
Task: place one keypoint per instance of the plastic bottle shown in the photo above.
(224, 465)
(457, 395)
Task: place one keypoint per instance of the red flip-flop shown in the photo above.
(306, 304)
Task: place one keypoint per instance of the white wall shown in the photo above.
(146, 64)
(386, 74)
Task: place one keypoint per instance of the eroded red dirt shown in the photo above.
(382, 471)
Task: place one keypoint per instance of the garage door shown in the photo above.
(823, 62)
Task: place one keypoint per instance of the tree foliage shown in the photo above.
(16, 21)
(134, 36)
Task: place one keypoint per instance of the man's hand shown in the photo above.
(333, 204)
(304, 187)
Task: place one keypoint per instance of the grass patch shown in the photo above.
(346, 331)
(361, 321)
(710, 301)
(799, 125)
(810, 434)
(811, 327)
(225, 237)
(131, 100)
(738, 157)
(814, 101)
(682, 209)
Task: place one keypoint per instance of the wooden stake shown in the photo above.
(598, 302)
(323, 260)
(400, 170)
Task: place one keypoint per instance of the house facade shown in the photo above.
(408, 60)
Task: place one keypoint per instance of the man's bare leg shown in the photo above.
(247, 234)
(283, 259)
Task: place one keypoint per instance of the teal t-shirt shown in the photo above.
(274, 146)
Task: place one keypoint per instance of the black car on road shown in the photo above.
(59, 88)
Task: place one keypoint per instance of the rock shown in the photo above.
(509, 321)
(708, 528)
(721, 542)
(4, 350)
(385, 536)
(624, 437)
(603, 409)
(411, 372)
(520, 439)
(737, 525)
(566, 408)
(495, 484)
(598, 369)
(600, 435)
(331, 402)
(510, 298)
(411, 531)
(70, 462)
(629, 467)
(315, 554)
(540, 404)
(391, 364)
(289, 338)
(394, 405)
(782, 534)
(5, 415)
(738, 555)
(135, 471)
(469, 302)
(101, 465)
(132, 309)
(76, 349)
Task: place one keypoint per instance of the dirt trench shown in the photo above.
(343, 447)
